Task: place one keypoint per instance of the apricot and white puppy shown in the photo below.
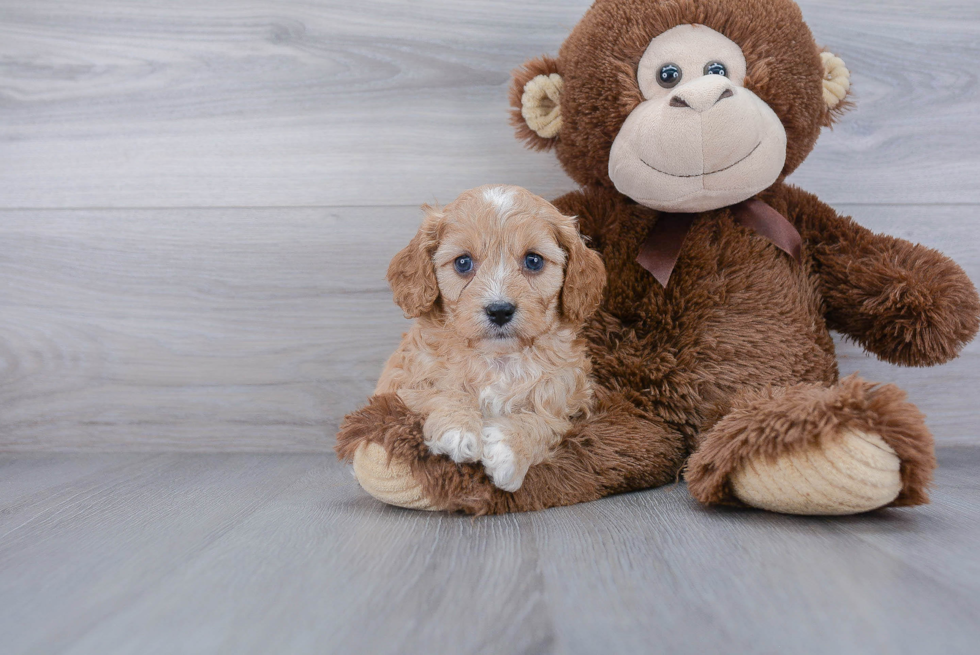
(500, 283)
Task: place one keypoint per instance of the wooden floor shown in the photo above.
(253, 553)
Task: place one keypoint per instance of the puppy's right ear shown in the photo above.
(585, 274)
(412, 274)
(535, 100)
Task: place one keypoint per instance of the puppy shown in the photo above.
(500, 283)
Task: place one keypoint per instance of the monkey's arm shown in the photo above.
(904, 302)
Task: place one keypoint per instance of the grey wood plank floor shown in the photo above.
(262, 553)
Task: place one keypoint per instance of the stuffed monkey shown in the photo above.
(712, 352)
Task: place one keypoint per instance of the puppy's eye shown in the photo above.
(463, 264)
(715, 68)
(533, 261)
(669, 75)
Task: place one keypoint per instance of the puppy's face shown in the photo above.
(499, 266)
(507, 267)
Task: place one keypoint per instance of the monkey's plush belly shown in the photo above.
(737, 314)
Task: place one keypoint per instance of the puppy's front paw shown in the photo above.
(457, 444)
(502, 464)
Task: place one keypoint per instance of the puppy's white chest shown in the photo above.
(506, 386)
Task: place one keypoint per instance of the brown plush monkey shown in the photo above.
(680, 120)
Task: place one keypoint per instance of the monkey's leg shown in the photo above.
(811, 449)
(616, 449)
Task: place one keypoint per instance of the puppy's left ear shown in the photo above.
(412, 274)
(585, 275)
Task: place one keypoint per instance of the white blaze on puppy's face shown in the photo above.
(501, 197)
(489, 292)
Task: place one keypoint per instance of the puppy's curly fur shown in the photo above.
(502, 390)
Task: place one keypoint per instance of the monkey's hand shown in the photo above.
(904, 302)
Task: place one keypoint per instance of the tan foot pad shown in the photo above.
(390, 483)
(856, 473)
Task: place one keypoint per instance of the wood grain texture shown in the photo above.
(177, 103)
(283, 553)
(306, 133)
(258, 329)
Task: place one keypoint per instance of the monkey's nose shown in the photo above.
(500, 313)
(700, 100)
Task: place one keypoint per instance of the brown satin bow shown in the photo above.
(659, 252)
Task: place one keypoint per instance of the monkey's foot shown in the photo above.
(812, 449)
(855, 472)
(390, 482)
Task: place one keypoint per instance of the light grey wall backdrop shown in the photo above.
(198, 199)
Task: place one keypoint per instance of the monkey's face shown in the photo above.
(683, 106)
(699, 140)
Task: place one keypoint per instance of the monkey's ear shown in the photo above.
(535, 99)
(412, 274)
(836, 85)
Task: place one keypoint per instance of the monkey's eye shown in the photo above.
(533, 261)
(669, 75)
(463, 264)
(715, 68)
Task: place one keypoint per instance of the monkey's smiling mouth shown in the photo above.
(710, 173)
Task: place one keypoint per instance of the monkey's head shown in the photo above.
(682, 105)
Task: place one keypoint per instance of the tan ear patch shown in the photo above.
(836, 81)
(541, 105)
(411, 275)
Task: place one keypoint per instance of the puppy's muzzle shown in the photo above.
(500, 313)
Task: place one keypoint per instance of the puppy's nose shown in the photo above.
(500, 312)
